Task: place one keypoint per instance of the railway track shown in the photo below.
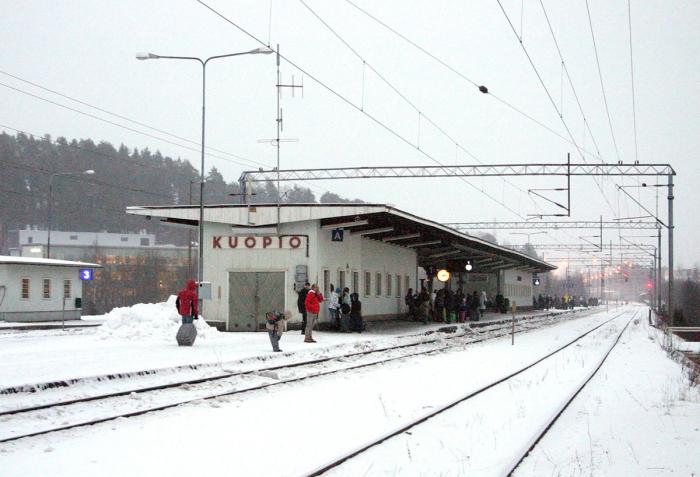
(97, 409)
(462, 399)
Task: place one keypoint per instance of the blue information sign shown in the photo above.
(86, 273)
(337, 235)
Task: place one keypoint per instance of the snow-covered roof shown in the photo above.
(430, 239)
(8, 260)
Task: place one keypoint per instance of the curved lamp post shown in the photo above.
(203, 62)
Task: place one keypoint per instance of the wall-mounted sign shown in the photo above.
(252, 242)
(86, 274)
(477, 277)
(337, 235)
(443, 275)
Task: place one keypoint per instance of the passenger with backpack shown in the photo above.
(276, 324)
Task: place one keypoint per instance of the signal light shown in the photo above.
(650, 285)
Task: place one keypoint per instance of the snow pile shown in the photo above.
(149, 321)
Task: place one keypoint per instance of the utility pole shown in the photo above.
(670, 248)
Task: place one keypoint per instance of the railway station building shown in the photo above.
(257, 256)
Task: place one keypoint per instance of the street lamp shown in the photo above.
(203, 62)
(48, 239)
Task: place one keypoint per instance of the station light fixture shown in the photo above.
(469, 265)
(443, 275)
(536, 281)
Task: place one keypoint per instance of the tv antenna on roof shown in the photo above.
(280, 121)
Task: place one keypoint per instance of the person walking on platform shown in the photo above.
(474, 309)
(301, 305)
(187, 302)
(463, 310)
(313, 301)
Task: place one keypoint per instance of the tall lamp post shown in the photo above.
(48, 239)
(203, 62)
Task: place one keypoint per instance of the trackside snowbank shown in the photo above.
(146, 321)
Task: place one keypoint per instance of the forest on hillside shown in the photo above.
(123, 177)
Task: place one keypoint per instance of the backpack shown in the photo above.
(273, 317)
(344, 308)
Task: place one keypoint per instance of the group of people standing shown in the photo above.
(445, 305)
(344, 310)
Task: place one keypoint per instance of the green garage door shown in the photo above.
(250, 296)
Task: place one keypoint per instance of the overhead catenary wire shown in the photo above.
(552, 101)
(403, 96)
(463, 75)
(602, 85)
(345, 99)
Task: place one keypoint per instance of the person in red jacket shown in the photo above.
(187, 302)
(312, 304)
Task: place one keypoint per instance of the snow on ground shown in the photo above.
(300, 425)
(158, 321)
(142, 337)
(638, 417)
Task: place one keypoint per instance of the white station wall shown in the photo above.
(353, 254)
(517, 290)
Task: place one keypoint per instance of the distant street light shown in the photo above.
(203, 62)
(48, 239)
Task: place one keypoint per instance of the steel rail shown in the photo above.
(258, 387)
(334, 463)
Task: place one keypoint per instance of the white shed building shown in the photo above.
(257, 256)
(40, 289)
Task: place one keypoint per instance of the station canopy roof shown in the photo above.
(12, 260)
(436, 245)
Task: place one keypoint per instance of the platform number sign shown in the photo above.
(86, 273)
(337, 235)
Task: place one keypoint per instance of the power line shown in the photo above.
(551, 100)
(634, 112)
(394, 88)
(344, 99)
(568, 76)
(602, 85)
(126, 127)
(465, 77)
(257, 163)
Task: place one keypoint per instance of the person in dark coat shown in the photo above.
(356, 323)
(187, 302)
(301, 305)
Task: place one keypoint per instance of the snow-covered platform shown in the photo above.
(141, 339)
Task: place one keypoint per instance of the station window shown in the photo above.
(25, 289)
(145, 242)
(73, 237)
(368, 283)
(378, 285)
(408, 283)
(66, 289)
(388, 284)
(47, 288)
(398, 285)
(355, 282)
(124, 239)
(341, 279)
(30, 239)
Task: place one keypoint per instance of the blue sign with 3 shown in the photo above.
(86, 273)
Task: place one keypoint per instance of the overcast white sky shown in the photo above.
(85, 49)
